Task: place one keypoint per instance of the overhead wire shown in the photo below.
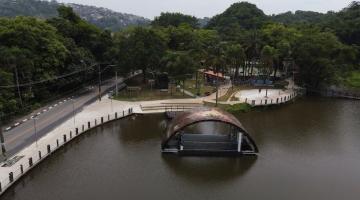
(49, 79)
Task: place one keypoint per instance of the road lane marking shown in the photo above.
(81, 104)
(41, 123)
(24, 120)
(39, 113)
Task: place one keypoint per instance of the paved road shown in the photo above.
(24, 134)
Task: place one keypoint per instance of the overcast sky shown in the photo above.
(209, 8)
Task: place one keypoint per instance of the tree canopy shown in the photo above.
(243, 41)
(239, 16)
(175, 19)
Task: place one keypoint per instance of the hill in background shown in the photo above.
(101, 17)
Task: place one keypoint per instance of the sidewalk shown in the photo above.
(91, 116)
(32, 154)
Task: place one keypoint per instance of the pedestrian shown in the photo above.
(259, 90)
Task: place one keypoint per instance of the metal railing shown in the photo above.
(170, 107)
(272, 101)
(27, 163)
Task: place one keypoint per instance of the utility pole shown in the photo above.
(35, 132)
(116, 84)
(111, 105)
(217, 88)
(2, 140)
(17, 85)
(73, 106)
(171, 86)
(99, 68)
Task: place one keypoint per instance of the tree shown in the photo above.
(181, 38)
(239, 16)
(235, 55)
(84, 34)
(140, 48)
(283, 39)
(268, 55)
(31, 50)
(175, 19)
(179, 66)
(316, 53)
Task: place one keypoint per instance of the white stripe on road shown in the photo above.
(24, 120)
(32, 116)
(38, 113)
(56, 105)
(44, 110)
(17, 124)
(8, 128)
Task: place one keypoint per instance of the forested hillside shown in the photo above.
(101, 17)
(42, 58)
(325, 47)
(34, 53)
(299, 16)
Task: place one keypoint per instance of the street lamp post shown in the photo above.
(35, 132)
(99, 69)
(217, 88)
(2, 140)
(111, 104)
(73, 107)
(116, 84)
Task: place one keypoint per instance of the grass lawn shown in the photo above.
(353, 80)
(146, 94)
(237, 108)
(190, 85)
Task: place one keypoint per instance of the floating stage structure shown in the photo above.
(185, 134)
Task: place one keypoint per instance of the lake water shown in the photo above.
(308, 150)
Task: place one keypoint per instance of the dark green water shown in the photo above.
(308, 150)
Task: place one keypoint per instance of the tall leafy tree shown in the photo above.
(175, 19)
(84, 34)
(235, 55)
(140, 48)
(240, 16)
(268, 57)
(316, 54)
(30, 50)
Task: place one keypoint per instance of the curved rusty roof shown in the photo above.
(200, 115)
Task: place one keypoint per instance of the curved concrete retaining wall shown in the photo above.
(16, 171)
(273, 101)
